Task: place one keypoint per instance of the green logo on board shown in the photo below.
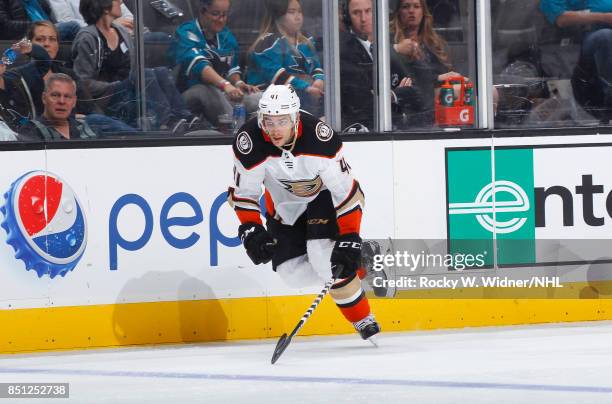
(481, 208)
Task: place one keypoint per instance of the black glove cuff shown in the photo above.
(354, 237)
(347, 253)
(247, 230)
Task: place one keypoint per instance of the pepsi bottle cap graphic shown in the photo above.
(45, 224)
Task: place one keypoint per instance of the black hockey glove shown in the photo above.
(347, 252)
(259, 244)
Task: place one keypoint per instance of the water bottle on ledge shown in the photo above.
(239, 116)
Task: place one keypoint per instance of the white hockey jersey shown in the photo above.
(293, 178)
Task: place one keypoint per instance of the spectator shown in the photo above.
(24, 84)
(17, 15)
(103, 54)
(207, 53)
(282, 54)
(356, 64)
(68, 10)
(592, 76)
(423, 52)
(57, 121)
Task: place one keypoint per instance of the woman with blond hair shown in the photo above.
(282, 54)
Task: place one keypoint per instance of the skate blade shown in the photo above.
(373, 340)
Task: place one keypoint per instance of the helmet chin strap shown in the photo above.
(291, 144)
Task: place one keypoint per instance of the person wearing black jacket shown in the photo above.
(24, 85)
(15, 19)
(356, 64)
(57, 121)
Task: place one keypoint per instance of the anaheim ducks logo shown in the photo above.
(303, 188)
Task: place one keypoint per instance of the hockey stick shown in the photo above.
(285, 340)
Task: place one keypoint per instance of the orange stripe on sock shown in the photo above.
(357, 312)
(361, 272)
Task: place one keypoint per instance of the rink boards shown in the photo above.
(161, 261)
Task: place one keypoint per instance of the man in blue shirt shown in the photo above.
(577, 12)
(592, 78)
(207, 53)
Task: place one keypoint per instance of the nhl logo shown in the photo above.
(244, 143)
(323, 132)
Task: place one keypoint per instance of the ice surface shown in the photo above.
(557, 363)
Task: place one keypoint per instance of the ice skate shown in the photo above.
(367, 329)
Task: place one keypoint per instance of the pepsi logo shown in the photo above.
(44, 222)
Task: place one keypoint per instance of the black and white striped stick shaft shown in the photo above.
(285, 340)
(314, 305)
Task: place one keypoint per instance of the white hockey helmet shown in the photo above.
(279, 100)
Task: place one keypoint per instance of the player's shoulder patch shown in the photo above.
(249, 145)
(323, 132)
(318, 138)
(244, 143)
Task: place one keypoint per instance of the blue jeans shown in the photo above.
(67, 30)
(105, 125)
(178, 107)
(596, 60)
(164, 103)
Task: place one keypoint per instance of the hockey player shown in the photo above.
(313, 203)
